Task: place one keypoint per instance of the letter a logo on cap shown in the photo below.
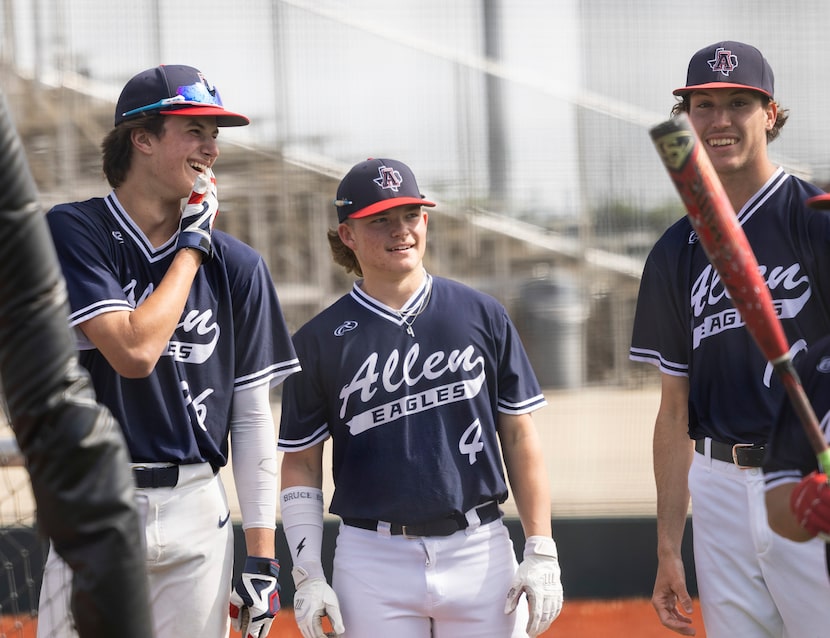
(724, 61)
(389, 178)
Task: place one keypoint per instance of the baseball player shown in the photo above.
(797, 497)
(423, 386)
(74, 451)
(719, 395)
(182, 333)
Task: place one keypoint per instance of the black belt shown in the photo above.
(741, 454)
(440, 527)
(156, 476)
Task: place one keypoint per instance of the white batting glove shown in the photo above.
(313, 599)
(199, 215)
(539, 577)
(255, 598)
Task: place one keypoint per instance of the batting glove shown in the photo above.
(255, 599)
(539, 577)
(313, 599)
(198, 216)
(810, 502)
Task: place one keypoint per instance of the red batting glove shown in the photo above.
(810, 502)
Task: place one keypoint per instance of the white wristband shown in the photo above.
(302, 520)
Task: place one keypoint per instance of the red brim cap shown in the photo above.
(386, 204)
(223, 117)
(822, 202)
(173, 89)
(376, 185)
(683, 90)
(729, 65)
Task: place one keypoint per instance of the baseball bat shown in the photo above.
(729, 252)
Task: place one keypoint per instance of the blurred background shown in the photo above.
(526, 120)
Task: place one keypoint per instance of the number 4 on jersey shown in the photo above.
(470, 442)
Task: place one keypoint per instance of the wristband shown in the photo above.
(302, 521)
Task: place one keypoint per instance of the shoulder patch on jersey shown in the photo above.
(343, 328)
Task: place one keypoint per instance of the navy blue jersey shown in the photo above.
(232, 333)
(789, 455)
(412, 416)
(686, 325)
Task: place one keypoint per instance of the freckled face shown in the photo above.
(392, 242)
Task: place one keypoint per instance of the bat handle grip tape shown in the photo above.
(824, 460)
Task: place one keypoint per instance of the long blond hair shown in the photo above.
(342, 254)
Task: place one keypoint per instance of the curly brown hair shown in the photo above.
(683, 106)
(117, 147)
(342, 254)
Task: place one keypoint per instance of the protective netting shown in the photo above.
(21, 551)
(526, 120)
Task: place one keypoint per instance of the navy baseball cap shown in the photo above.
(173, 89)
(374, 186)
(728, 64)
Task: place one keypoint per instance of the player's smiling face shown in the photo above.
(388, 243)
(733, 125)
(189, 148)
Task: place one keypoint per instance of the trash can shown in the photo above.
(550, 318)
